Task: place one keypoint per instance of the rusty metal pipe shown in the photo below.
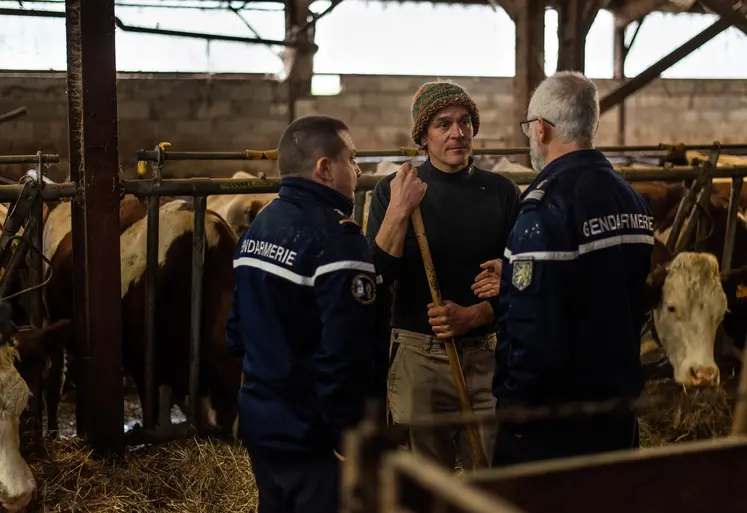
(152, 156)
(218, 186)
(195, 335)
(731, 224)
(151, 272)
(47, 158)
(360, 204)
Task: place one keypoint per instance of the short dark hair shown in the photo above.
(307, 139)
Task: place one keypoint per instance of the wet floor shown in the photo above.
(133, 413)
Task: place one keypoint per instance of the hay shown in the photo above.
(681, 415)
(186, 476)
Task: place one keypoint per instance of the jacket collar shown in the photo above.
(573, 160)
(309, 191)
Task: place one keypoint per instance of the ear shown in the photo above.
(653, 289)
(424, 140)
(542, 131)
(323, 169)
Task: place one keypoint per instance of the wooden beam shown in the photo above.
(299, 61)
(530, 61)
(736, 15)
(511, 8)
(666, 62)
(695, 476)
(575, 18)
(634, 10)
(621, 52)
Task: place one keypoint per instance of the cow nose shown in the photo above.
(704, 376)
(19, 502)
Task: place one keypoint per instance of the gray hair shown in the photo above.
(570, 101)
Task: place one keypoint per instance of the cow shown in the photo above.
(37, 349)
(239, 210)
(693, 298)
(220, 372)
(17, 483)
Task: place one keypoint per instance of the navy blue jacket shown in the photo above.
(572, 284)
(303, 321)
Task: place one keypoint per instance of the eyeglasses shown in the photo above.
(525, 124)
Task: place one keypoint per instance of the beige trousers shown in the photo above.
(421, 384)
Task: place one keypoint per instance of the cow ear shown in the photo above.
(657, 276)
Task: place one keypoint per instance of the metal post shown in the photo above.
(198, 263)
(83, 414)
(360, 204)
(93, 77)
(151, 271)
(731, 224)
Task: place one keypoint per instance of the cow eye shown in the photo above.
(671, 308)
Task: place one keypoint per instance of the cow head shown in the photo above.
(691, 305)
(17, 484)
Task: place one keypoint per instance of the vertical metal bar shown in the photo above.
(701, 235)
(198, 263)
(703, 226)
(151, 270)
(36, 316)
(101, 190)
(731, 223)
(684, 209)
(77, 220)
(360, 204)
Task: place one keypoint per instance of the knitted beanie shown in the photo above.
(434, 96)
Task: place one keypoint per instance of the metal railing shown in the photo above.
(155, 187)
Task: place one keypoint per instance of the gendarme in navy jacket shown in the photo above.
(303, 321)
(574, 270)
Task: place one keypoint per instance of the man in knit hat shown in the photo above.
(468, 214)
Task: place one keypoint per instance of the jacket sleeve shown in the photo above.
(386, 264)
(347, 361)
(534, 342)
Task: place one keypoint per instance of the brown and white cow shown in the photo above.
(17, 483)
(239, 210)
(694, 299)
(220, 373)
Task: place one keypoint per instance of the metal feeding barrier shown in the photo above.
(34, 191)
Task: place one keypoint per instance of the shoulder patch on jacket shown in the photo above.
(538, 192)
(363, 289)
(522, 274)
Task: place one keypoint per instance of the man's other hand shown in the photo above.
(450, 320)
(488, 282)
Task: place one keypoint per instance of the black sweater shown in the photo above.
(467, 216)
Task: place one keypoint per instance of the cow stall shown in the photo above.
(695, 476)
(154, 186)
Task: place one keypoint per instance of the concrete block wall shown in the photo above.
(230, 112)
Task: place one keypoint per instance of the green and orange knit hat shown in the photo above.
(434, 96)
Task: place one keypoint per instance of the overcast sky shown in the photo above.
(367, 37)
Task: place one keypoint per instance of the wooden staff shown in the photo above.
(478, 455)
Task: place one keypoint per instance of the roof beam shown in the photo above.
(736, 14)
(666, 62)
(634, 10)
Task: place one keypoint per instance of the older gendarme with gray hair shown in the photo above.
(573, 278)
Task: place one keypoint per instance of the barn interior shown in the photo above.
(97, 132)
